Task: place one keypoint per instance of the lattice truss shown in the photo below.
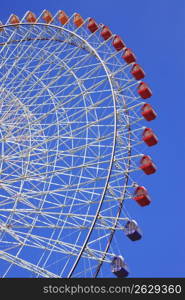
(69, 123)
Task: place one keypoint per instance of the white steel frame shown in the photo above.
(110, 215)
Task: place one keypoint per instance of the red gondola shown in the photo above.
(149, 137)
(144, 91)
(14, 20)
(129, 56)
(92, 25)
(141, 196)
(47, 16)
(31, 17)
(137, 72)
(63, 17)
(148, 112)
(78, 20)
(118, 43)
(147, 165)
(119, 268)
(106, 33)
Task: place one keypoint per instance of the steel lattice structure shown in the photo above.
(70, 145)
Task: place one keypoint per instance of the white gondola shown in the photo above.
(132, 230)
(119, 268)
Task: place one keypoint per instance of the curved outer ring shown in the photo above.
(112, 154)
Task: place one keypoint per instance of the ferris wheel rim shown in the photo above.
(115, 123)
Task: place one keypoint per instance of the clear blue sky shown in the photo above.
(155, 30)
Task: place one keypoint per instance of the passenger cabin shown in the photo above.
(78, 20)
(47, 16)
(14, 20)
(31, 17)
(132, 230)
(92, 25)
(141, 196)
(119, 268)
(118, 43)
(63, 17)
(144, 91)
(147, 165)
(137, 72)
(106, 33)
(129, 56)
(148, 112)
(149, 137)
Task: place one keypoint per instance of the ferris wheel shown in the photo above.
(72, 128)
